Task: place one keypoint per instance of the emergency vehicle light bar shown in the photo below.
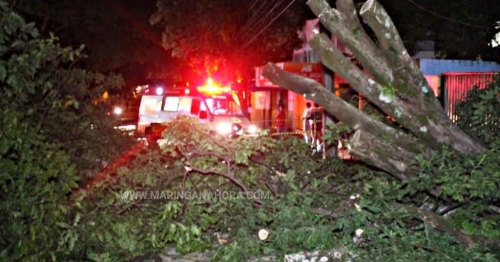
(211, 88)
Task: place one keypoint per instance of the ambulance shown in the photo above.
(211, 104)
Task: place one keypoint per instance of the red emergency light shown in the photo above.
(211, 88)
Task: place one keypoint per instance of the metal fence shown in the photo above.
(457, 85)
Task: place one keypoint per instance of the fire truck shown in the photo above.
(211, 104)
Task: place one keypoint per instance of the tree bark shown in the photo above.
(395, 150)
(342, 110)
(387, 155)
(392, 82)
(397, 87)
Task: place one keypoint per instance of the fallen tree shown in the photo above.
(392, 82)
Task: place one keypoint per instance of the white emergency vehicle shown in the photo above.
(212, 105)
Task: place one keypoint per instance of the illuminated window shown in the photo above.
(151, 105)
(171, 104)
(185, 105)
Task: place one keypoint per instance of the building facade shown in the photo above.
(449, 79)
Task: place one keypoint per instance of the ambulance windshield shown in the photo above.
(222, 105)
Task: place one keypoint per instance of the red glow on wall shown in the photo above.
(456, 86)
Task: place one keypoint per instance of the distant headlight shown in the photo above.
(252, 129)
(126, 127)
(224, 128)
(118, 111)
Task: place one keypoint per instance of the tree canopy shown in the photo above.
(230, 37)
(54, 130)
(189, 38)
(116, 34)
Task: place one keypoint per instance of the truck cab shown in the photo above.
(211, 105)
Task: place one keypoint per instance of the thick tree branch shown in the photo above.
(382, 146)
(378, 19)
(343, 111)
(350, 15)
(400, 91)
(436, 221)
(393, 48)
(391, 104)
(383, 69)
(363, 48)
(386, 155)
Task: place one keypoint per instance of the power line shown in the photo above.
(264, 19)
(249, 6)
(263, 29)
(259, 17)
(257, 11)
(447, 18)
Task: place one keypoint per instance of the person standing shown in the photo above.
(307, 118)
(281, 119)
(317, 128)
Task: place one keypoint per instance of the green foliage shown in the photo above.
(467, 193)
(471, 182)
(116, 34)
(189, 188)
(196, 183)
(309, 206)
(215, 36)
(478, 113)
(135, 213)
(46, 140)
(466, 187)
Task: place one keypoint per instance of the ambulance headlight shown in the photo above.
(224, 128)
(118, 111)
(252, 129)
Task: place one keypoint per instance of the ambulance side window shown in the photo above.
(185, 105)
(171, 104)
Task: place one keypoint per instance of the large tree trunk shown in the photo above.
(397, 86)
(393, 83)
(384, 157)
